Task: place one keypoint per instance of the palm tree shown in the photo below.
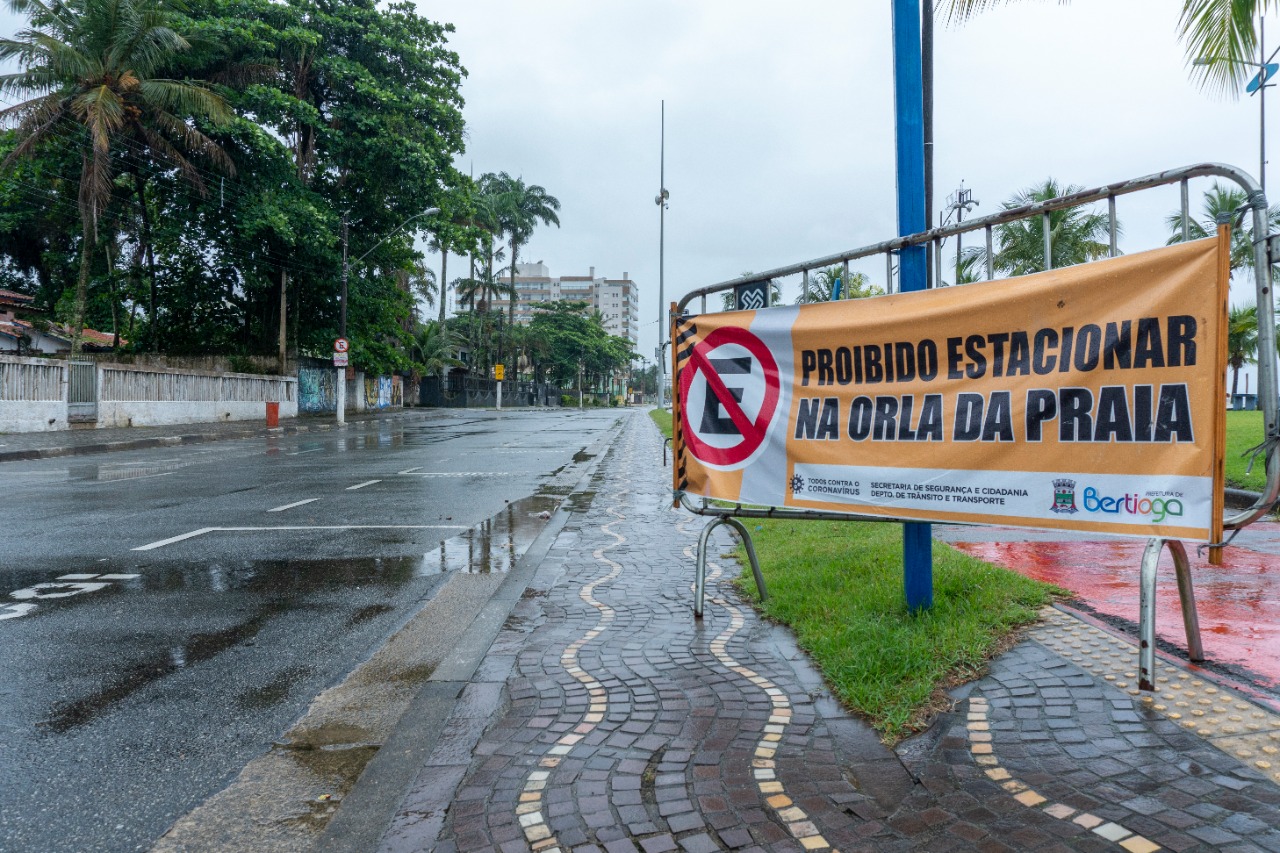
(521, 207)
(822, 286)
(1221, 31)
(1219, 200)
(1242, 340)
(1076, 235)
(434, 346)
(94, 65)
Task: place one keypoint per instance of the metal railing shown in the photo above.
(1255, 205)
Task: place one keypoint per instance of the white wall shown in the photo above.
(33, 394)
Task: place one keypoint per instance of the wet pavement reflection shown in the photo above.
(492, 546)
(1238, 602)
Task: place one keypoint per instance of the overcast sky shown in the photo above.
(779, 136)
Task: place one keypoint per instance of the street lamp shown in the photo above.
(1257, 86)
(342, 315)
(958, 204)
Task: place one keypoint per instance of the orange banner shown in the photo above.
(1089, 398)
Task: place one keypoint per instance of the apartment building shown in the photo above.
(616, 299)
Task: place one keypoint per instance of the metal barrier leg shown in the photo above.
(751, 556)
(700, 579)
(1147, 615)
(1187, 598)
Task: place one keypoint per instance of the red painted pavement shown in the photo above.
(1239, 602)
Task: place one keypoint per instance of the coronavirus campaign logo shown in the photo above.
(1064, 497)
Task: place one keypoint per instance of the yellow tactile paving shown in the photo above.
(1224, 717)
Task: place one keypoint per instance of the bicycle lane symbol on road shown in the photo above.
(731, 371)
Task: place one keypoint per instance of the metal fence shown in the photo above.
(462, 391)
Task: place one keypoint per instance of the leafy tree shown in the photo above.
(575, 344)
(92, 68)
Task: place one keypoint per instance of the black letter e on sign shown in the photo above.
(714, 421)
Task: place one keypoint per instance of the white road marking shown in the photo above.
(411, 470)
(416, 473)
(292, 505)
(118, 577)
(171, 540)
(300, 452)
(67, 590)
(204, 530)
(13, 611)
(362, 485)
(76, 577)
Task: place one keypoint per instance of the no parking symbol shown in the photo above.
(729, 391)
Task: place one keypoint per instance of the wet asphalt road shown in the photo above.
(165, 614)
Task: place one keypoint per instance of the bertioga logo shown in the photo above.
(1132, 504)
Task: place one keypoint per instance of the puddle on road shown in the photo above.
(492, 546)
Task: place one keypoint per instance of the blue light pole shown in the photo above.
(908, 92)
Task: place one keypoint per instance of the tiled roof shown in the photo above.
(92, 337)
(15, 298)
(89, 336)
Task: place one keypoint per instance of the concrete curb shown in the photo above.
(370, 806)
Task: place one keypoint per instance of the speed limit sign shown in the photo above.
(341, 345)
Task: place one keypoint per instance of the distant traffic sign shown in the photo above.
(341, 345)
(340, 359)
(499, 371)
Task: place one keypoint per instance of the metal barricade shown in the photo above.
(1268, 393)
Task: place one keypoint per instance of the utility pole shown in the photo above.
(340, 389)
(661, 200)
(917, 538)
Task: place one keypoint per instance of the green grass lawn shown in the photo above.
(838, 586)
(1244, 430)
(662, 418)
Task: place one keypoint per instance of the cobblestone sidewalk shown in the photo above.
(606, 718)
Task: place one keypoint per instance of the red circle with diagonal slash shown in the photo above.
(752, 431)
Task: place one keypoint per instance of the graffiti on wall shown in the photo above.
(381, 392)
(317, 390)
